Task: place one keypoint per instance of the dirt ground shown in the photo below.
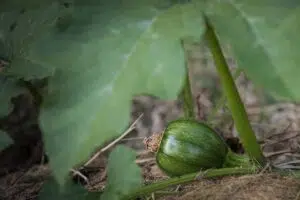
(23, 166)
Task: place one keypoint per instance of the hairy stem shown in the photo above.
(221, 102)
(145, 190)
(186, 93)
(234, 101)
(237, 160)
(188, 103)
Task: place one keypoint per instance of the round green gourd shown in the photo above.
(189, 146)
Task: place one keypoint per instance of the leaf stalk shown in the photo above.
(235, 104)
(186, 94)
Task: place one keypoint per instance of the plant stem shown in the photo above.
(188, 103)
(234, 101)
(222, 100)
(186, 93)
(237, 160)
(188, 178)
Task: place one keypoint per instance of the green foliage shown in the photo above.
(5, 140)
(8, 89)
(99, 54)
(19, 30)
(8, 5)
(52, 190)
(104, 56)
(264, 38)
(123, 174)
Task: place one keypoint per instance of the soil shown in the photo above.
(254, 187)
(24, 168)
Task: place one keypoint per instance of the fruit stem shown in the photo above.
(148, 189)
(236, 160)
(234, 101)
(186, 93)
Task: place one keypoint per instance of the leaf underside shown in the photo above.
(98, 55)
(123, 174)
(264, 36)
(8, 88)
(20, 29)
(8, 5)
(52, 190)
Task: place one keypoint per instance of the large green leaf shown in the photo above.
(123, 174)
(52, 190)
(107, 53)
(9, 5)
(18, 31)
(265, 39)
(8, 89)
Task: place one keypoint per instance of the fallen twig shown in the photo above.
(142, 161)
(270, 142)
(132, 127)
(275, 153)
(76, 172)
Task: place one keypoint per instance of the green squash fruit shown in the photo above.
(188, 146)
